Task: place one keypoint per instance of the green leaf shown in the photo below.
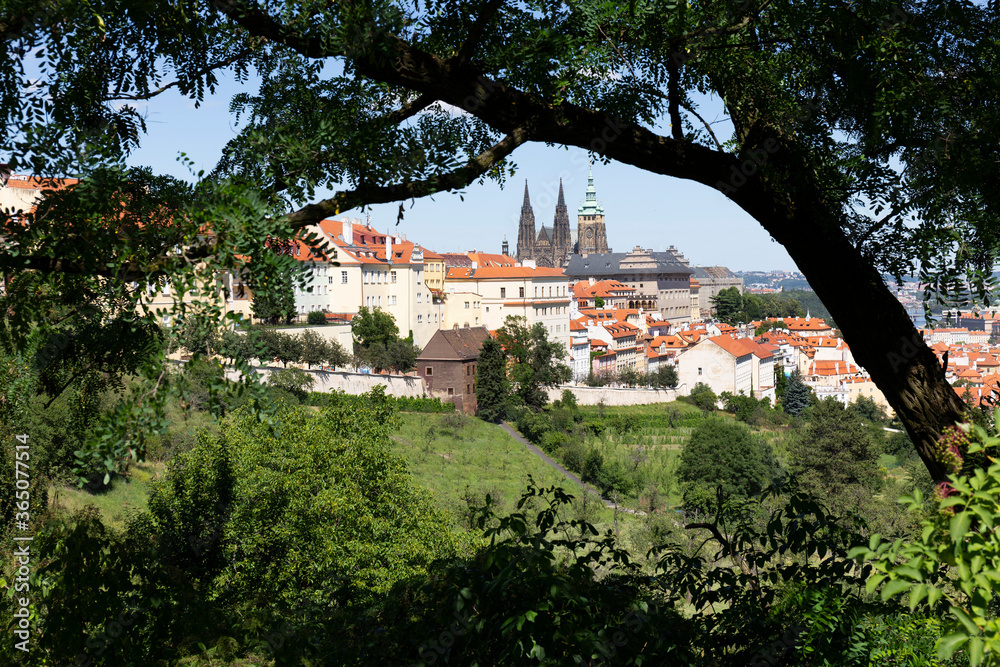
(960, 526)
(894, 587)
(917, 593)
(946, 646)
(976, 650)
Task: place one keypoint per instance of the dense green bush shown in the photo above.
(703, 397)
(295, 381)
(534, 425)
(316, 318)
(423, 404)
(725, 454)
(553, 441)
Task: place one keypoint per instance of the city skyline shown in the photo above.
(642, 208)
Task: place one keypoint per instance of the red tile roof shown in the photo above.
(732, 345)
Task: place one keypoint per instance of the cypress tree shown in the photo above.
(492, 387)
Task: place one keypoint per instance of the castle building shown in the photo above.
(552, 246)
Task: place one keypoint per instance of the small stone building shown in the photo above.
(448, 365)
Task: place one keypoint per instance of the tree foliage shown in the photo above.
(535, 362)
(835, 458)
(492, 386)
(377, 342)
(797, 396)
(735, 307)
(723, 453)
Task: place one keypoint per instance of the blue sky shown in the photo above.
(640, 208)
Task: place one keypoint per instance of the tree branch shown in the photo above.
(690, 109)
(205, 70)
(459, 178)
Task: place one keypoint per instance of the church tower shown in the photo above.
(526, 229)
(591, 235)
(561, 237)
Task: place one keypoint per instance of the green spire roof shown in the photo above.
(590, 205)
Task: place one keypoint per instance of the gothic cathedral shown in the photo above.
(552, 246)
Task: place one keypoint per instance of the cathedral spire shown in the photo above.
(526, 229)
(560, 229)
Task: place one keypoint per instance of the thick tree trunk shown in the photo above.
(882, 337)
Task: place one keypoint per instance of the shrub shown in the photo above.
(561, 418)
(534, 425)
(316, 318)
(703, 397)
(573, 456)
(553, 441)
(295, 381)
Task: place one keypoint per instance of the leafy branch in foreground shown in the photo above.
(953, 569)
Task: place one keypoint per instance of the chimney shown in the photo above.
(388, 249)
(348, 231)
(475, 265)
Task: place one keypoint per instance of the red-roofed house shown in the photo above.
(612, 293)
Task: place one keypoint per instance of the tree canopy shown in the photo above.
(724, 453)
(861, 136)
(535, 361)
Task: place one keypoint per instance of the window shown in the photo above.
(419, 294)
(536, 291)
(329, 281)
(503, 292)
(487, 309)
(428, 371)
(420, 275)
(699, 370)
(521, 292)
(477, 320)
(466, 304)
(393, 300)
(420, 319)
(343, 277)
(435, 318)
(451, 391)
(393, 274)
(468, 389)
(468, 370)
(380, 301)
(364, 277)
(550, 291)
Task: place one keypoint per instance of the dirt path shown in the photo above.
(563, 471)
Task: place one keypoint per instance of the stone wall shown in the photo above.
(617, 396)
(353, 383)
